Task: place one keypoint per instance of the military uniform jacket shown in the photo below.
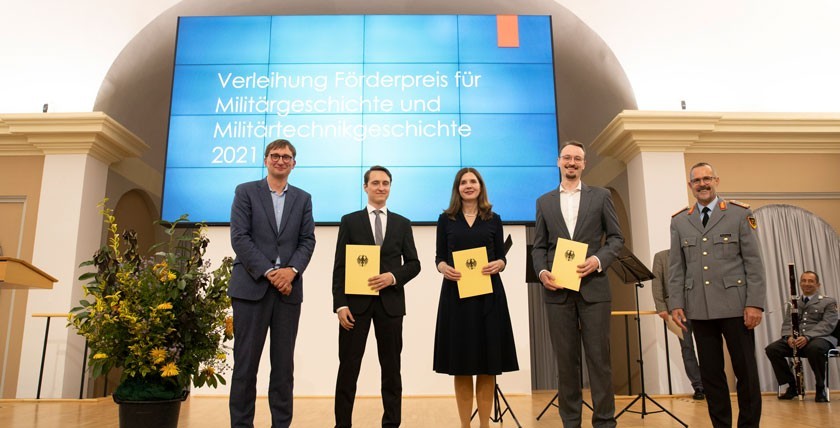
(715, 270)
(817, 318)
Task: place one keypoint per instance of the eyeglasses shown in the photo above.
(705, 180)
(568, 158)
(285, 158)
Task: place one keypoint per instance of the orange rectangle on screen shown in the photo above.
(507, 30)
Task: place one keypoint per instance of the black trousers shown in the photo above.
(814, 351)
(351, 349)
(740, 342)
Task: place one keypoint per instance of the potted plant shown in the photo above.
(163, 319)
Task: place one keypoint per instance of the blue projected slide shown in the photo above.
(422, 95)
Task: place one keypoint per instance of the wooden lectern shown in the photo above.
(20, 274)
(16, 274)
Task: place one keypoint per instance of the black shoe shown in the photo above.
(821, 397)
(790, 394)
(699, 395)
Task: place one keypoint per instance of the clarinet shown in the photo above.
(795, 333)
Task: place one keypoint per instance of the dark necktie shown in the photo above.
(705, 216)
(805, 299)
(377, 228)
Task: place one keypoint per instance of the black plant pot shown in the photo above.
(145, 414)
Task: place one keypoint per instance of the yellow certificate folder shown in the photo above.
(360, 263)
(469, 263)
(567, 255)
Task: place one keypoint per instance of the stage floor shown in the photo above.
(418, 412)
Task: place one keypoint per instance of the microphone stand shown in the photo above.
(557, 398)
(498, 413)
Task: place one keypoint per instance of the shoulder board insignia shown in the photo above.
(678, 212)
(753, 223)
(739, 203)
(722, 205)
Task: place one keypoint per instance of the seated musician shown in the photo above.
(818, 317)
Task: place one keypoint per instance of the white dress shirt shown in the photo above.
(569, 206)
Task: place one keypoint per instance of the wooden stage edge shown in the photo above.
(417, 412)
(321, 397)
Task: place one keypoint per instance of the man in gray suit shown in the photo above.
(585, 214)
(817, 320)
(717, 282)
(273, 235)
(659, 289)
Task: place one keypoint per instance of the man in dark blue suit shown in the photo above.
(374, 225)
(273, 235)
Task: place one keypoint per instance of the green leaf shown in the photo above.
(87, 275)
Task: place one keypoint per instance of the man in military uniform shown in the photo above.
(818, 318)
(717, 282)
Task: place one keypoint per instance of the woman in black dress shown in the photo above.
(473, 336)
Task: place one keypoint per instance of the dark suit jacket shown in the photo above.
(258, 243)
(397, 255)
(596, 219)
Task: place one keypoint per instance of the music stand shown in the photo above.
(633, 271)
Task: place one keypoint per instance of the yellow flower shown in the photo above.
(229, 326)
(169, 370)
(158, 355)
(209, 370)
(100, 356)
(221, 357)
(170, 276)
(164, 306)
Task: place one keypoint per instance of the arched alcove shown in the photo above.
(135, 211)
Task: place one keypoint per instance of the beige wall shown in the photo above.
(808, 181)
(20, 187)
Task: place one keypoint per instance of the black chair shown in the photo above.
(832, 353)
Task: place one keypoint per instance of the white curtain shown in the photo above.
(790, 234)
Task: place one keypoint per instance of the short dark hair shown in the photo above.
(377, 168)
(574, 143)
(817, 277)
(279, 144)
